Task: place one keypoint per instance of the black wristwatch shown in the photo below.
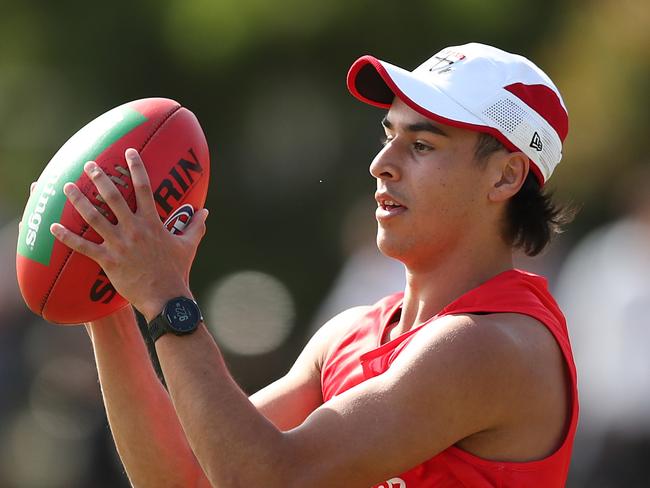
(180, 316)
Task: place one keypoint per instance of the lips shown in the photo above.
(388, 206)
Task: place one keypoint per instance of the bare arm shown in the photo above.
(147, 433)
(380, 428)
(441, 389)
(146, 430)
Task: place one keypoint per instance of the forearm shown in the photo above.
(148, 266)
(234, 443)
(146, 430)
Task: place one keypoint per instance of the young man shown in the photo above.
(465, 379)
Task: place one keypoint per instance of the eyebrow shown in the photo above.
(417, 127)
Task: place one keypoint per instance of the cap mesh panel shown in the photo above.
(518, 125)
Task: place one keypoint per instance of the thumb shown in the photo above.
(195, 229)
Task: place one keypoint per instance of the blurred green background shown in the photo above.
(290, 198)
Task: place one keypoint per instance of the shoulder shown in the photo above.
(509, 337)
(474, 348)
(497, 368)
(315, 351)
(506, 349)
(336, 328)
(342, 322)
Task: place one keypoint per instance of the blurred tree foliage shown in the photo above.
(290, 148)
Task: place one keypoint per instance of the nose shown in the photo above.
(385, 166)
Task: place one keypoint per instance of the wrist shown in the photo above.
(155, 305)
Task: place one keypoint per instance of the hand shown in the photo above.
(146, 264)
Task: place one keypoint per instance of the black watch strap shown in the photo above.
(157, 327)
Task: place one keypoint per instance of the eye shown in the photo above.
(421, 147)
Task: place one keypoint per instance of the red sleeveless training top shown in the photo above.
(359, 355)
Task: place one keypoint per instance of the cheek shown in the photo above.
(448, 184)
(452, 199)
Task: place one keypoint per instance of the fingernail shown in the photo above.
(91, 167)
(54, 229)
(131, 153)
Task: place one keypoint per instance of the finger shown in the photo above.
(196, 228)
(75, 242)
(108, 191)
(141, 183)
(88, 211)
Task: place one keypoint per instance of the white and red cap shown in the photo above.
(480, 88)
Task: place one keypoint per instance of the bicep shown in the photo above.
(428, 400)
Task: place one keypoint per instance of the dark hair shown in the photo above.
(532, 218)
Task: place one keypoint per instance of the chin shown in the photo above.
(411, 252)
(392, 247)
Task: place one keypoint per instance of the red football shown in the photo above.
(66, 287)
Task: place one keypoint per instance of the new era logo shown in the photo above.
(536, 143)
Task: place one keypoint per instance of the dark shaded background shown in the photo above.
(291, 197)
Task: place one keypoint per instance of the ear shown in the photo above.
(510, 173)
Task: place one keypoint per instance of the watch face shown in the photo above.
(183, 315)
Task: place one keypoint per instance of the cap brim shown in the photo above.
(377, 83)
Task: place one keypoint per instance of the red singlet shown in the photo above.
(359, 355)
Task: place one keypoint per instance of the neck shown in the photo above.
(430, 288)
